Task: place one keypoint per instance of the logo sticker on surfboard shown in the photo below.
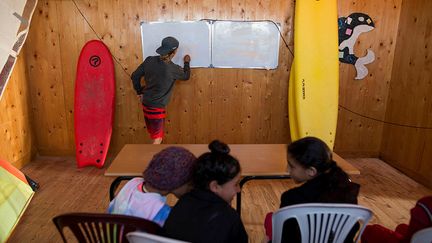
(94, 61)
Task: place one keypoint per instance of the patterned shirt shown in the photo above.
(131, 200)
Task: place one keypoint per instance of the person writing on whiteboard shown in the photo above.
(160, 74)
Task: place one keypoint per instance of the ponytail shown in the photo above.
(336, 175)
(331, 165)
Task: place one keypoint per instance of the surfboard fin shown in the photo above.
(33, 184)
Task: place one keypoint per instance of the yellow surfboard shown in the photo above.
(314, 78)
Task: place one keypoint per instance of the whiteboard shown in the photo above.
(251, 44)
(216, 43)
(194, 38)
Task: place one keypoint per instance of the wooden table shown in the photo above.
(258, 161)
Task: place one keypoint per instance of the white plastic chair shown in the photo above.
(320, 221)
(143, 237)
(422, 236)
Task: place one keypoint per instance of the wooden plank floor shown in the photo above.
(64, 188)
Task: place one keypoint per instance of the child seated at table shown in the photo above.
(169, 171)
(421, 218)
(205, 214)
(310, 162)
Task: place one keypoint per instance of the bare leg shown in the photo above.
(157, 141)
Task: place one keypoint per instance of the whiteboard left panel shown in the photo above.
(194, 38)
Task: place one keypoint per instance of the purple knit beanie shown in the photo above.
(170, 168)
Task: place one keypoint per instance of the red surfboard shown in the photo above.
(94, 104)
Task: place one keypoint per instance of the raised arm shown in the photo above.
(184, 73)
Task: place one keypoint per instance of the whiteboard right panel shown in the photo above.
(238, 44)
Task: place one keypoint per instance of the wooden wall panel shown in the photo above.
(234, 105)
(357, 135)
(409, 103)
(17, 144)
(47, 84)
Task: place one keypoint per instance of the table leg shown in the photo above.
(258, 177)
(116, 183)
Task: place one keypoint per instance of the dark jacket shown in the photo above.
(330, 187)
(202, 216)
(159, 78)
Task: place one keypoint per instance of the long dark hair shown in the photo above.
(313, 152)
(216, 165)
